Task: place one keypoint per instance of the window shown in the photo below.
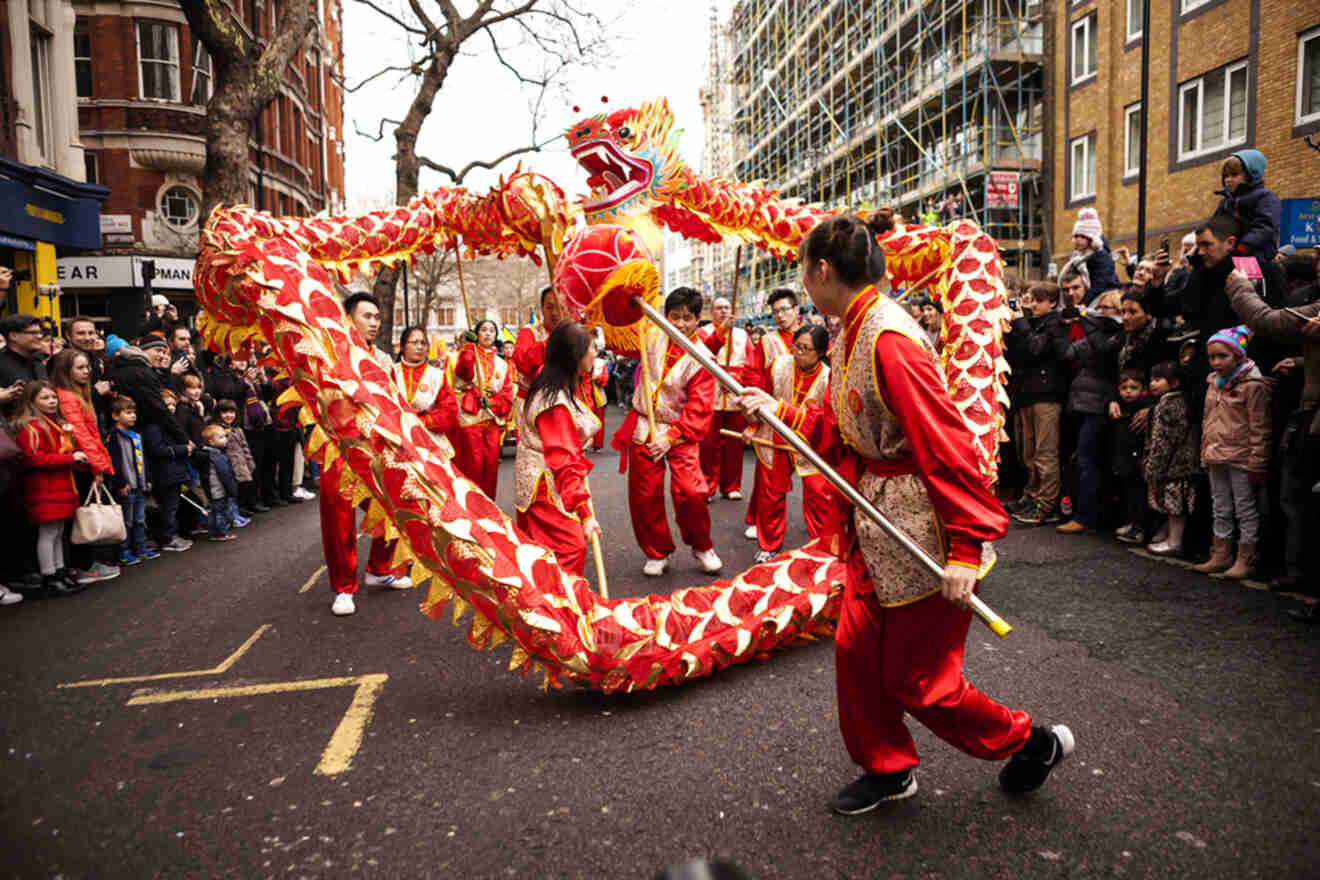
(446, 316)
(1308, 76)
(1189, 5)
(1132, 140)
(1085, 49)
(1212, 111)
(82, 57)
(91, 169)
(201, 86)
(41, 113)
(1134, 11)
(180, 206)
(158, 54)
(1081, 178)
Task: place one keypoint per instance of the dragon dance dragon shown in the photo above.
(267, 284)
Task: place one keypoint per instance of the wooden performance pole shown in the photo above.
(646, 389)
(758, 441)
(603, 587)
(462, 285)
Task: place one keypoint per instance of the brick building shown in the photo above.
(1236, 74)
(142, 85)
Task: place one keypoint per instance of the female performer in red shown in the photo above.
(550, 474)
(799, 379)
(890, 425)
(426, 387)
(485, 397)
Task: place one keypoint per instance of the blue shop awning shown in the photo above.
(40, 205)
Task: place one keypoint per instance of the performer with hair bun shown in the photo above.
(896, 435)
(799, 379)
(550, 471)
(485, 397)
(425, 386)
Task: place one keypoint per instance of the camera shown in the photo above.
(1013, 303)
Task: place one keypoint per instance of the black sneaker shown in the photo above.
(872, 790)
(1030, 516)
(1050, 514)
(1021, 504)
(1030, 766)
(1130, 534)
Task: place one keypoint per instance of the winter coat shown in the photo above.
(1235, 429)
(1145, 349)
(191, 419)
(216, 463)
(85, 431)
(222, 383)
(133, 377)
(284, 417)
(1171, 448)
(17, 369)
(1095, 356)
(1100, 266)
(49, 493)
(168, 458)
(1255, 208)
(128, 454)
(1127, 448)
(1285, 326)
(240, 455)
(1035, 348)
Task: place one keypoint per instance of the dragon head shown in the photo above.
(631, 159)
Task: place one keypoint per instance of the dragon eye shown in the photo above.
(624, 132)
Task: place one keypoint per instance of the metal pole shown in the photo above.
(995, 622)
(1145, 115)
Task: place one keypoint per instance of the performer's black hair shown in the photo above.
(780, 293)
(545, 291)
(847, 244)
(820, 338)
(358, 299)
(683, 298)
(403, 340)
(564, 350)
(476, 329)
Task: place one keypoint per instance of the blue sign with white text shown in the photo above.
(1301, 223)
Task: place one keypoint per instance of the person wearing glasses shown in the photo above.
(23, 358)
(776, 343)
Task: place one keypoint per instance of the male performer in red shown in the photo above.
(895, 434)
(529, 348)
(783, 305)
(338, 518)
(681, 394)
(721, 455)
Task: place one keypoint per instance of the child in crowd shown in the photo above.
(219, 483)
(1247, 200)
(129, 482)
(1171, 457)
(1235, 450)
(240, 459)
(50, 455)
(191, 411)
(1036, 347)
(1127, 449)
(169, 474)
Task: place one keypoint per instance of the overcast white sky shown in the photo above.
(481, 112)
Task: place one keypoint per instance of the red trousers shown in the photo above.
(769, 503)
(477, 455)
(909, 658)
(560, 534)
(646, 500)
(721, 456)
(339, 537)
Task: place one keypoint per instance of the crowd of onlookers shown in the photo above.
(1181, 407)
(190, 445)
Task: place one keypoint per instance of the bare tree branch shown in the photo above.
(412, 70)
(380, 129)
(457, 177)
(394, 18)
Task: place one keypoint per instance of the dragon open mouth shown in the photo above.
(614, 176)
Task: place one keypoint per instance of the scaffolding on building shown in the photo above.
(892, 103)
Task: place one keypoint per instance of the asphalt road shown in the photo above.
(1194, 702)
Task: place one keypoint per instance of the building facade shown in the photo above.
(46, 207)
(142, 84)
(1225, 75)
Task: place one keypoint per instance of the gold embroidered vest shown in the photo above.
(491, 385)
(529, 463)
(668, 390)
(783, 377)
(736, 352)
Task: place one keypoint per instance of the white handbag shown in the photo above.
(100, 520)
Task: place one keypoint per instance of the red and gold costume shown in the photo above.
(550, 476)
(775, 468)
(683, 395)
(480, 373)
(896, 435)
(426, 387)
(596, 382)
(339, 528)
(721, 455)
(528, 358)
(774, 344)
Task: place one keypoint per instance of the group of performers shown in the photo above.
(879, 412)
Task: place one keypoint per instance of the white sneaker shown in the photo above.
(655, 567)
(710, 563)
(302, 493)
(735, 495)
(750, 534)
(343, 605)
(387, 580)
(178, 544)
(9, 597)
(765, 556)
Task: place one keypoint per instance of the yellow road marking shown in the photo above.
(311, 580)
(344, 742)
(223, 667)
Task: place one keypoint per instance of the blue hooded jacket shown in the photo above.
(1258, 210)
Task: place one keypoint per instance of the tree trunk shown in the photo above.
(228, 123)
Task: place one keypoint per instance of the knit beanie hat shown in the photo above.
(152, 340)
(1235, 338)
(113, 345)
(1088, 224)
